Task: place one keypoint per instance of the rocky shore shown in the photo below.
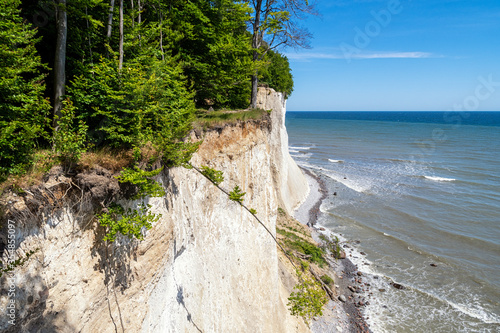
(344, 314)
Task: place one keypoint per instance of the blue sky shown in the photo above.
(407, 55)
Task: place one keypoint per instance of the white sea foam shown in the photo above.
(439, 179)
(299, 148)
(335, 161)
(358, 185)
(303, 155)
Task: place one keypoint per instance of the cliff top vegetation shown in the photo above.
(92, 76)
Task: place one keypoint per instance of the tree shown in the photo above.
(276, 73)
(215, 49)
(60, 56)
(274, 24)
(23, 109)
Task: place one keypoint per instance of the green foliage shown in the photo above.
(308, 299)
(215, 176)
(17, 263)
(253, 211)
(298, 244)
(276, 73)
(23, 109)
(128, 222)
(69, 139)
(142, 179)
(326, 279)
(147, 102)
(131, 222)
(333, 246)
(281, 211)
(215, 49)
(315, 252)
(304, 265)
(236, 194)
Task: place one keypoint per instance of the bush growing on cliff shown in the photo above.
(308, 299)
(142, 180)
(131, 222)
(128, 222)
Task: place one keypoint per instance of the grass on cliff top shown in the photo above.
(44, 159)
(116, 160)
(209, 119)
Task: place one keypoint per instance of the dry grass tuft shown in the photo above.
(43, 160)
(212, 119)
(112, 160)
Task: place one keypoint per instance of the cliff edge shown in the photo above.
(206, 266)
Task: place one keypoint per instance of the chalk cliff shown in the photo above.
(206, 266)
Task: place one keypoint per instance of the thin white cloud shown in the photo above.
(307, 56)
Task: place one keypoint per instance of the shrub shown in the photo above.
(141, 179)
(277, 73)
(131, 222)
(308, 299)
(145, 103)
(69, 139)
(326, 279)
(128, 222)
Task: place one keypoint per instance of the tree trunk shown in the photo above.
(90, 39)
(110, 19)
(132, 9)
(161, 34)
(139, 19)
(60, 57)
(255, 45)
(120, 62)
(255, 90)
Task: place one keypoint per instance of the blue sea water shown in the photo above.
(415, 188)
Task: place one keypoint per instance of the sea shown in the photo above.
(415, 199)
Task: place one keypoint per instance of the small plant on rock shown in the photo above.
(215, 176)
(236, 194)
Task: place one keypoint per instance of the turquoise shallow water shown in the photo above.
(415, 188)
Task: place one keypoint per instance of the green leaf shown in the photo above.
(236, 194)
(215, 176)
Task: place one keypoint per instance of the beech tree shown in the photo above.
(130, 73)
(275, 24)
(60, 56)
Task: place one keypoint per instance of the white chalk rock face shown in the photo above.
(291, 184)
(206, 266)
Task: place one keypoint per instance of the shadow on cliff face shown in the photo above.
(114, 263)
(180, 300)
(33, 312)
